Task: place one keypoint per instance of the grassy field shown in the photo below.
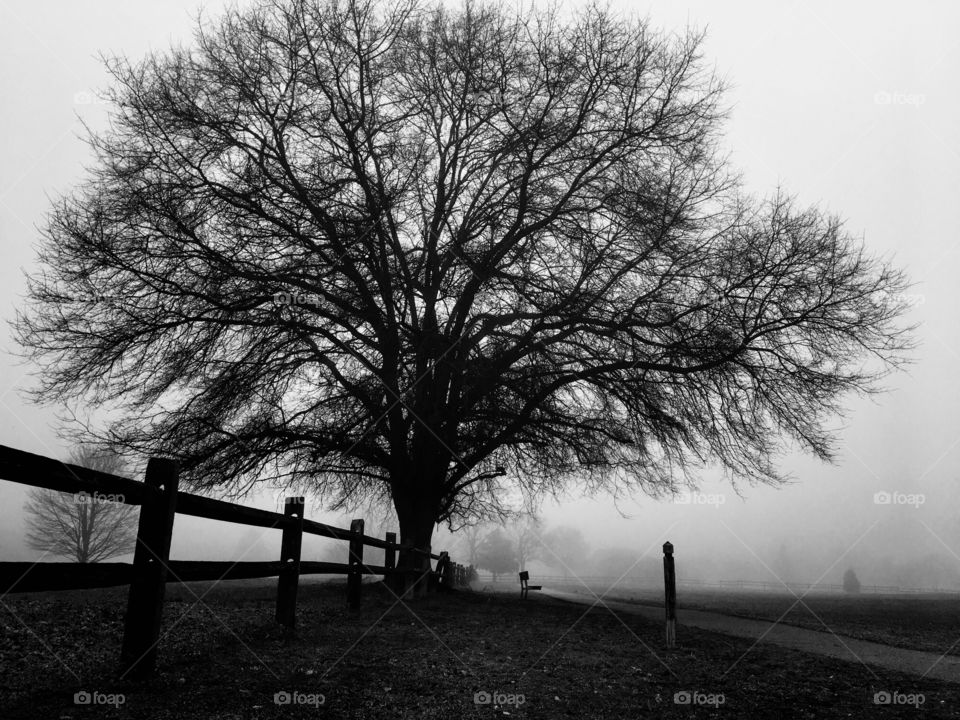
(919, 622)
(225, 658)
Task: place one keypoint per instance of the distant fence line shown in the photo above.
(761, 585)
(160, 501)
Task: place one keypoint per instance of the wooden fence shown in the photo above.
(160, 500)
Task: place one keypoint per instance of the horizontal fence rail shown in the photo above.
(38, 471)
(160, 500)
(43, 472)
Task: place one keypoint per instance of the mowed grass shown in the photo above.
(918, 622)
(224, 657)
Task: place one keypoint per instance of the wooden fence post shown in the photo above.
(141, 629)
(289, 579)
(355, 560)
(445, 571)
(390, 561)
(670, 591)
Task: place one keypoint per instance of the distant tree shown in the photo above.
(564, 548)
(86, 528)
(850, 582)
(445, 539)
(497, 553)
(470, 538)
(626, 565)
(525, 534)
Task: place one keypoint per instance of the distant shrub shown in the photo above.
(850, 582)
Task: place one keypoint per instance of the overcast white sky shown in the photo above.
(854, 106)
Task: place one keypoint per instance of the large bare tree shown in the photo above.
(84, 527)
(443, 257)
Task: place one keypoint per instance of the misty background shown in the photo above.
(855, 111)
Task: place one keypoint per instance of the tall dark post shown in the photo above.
(670, 590)
(141, 631)
(390, 562)
(289, 579)
(355, 572)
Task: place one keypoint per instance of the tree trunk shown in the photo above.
(417, 521)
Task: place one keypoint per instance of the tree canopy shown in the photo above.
(402, 251)
(497, 553)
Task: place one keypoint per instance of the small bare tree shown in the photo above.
(87, 528)
(472, 537)
(525, 534)
(497, 553)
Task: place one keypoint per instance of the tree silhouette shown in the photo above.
(497, 553)
(86, 528)
(471, 538)
(525, 534)
(850, 582)
(433, 256)
(564, 548)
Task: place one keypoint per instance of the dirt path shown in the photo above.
(917, 662)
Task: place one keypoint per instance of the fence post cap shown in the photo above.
(668, 548)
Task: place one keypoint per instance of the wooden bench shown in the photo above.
(525, 586)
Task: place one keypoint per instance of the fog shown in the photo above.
(853, 110)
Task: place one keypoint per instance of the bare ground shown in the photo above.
(223, 657)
